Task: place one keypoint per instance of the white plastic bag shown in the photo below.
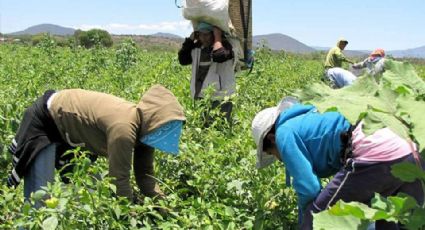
(214, 12)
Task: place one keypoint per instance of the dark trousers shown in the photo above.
(359, 181)
(36, 131)
(225, 108)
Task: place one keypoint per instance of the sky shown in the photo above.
(388, 24)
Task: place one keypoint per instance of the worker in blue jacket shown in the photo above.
(315, 145)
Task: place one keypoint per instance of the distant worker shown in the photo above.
(108, 126)
(336, 75)
(374, 64)
(212, 62)
(315, 145)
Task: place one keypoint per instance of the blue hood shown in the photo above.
(294, 111)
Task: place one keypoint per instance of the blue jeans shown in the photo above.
(340, 77)
(41, 171)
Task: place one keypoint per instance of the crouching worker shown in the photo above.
(374, 64)
(336, 76)
(103, 124)
(315, 145)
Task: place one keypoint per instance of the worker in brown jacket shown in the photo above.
(103, 124)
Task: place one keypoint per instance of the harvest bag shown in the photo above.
(214, 12)
(222, 13)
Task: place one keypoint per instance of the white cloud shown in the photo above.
(177, 27)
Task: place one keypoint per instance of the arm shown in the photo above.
(222, 50)
(360, 65)
(144, 171)
(120, 150)
(292, 150)
(185, 53)
(223, 54)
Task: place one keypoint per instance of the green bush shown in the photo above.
(126, 54)
(94, 37)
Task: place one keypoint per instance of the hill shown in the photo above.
(282, 42)
(412, 53)
(167, 35)
(46, 28)
(274, 41)
(289, 44)
(152, 42)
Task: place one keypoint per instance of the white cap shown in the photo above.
(262, 124)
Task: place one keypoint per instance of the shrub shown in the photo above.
(94, 37)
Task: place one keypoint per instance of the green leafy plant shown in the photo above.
(212, 184)
(401, 209)
(126, 55)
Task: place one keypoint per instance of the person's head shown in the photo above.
(342, 43)
(161, 119)
(378, 53)
(165, 138)
(263, 131)
(269, 144)
(205, 34)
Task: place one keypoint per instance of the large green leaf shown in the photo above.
(402, 205)
(416, 220)
(50, 223)
(408, 172)
(324, 220)
(393, 100)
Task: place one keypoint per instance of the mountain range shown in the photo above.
(417, 52)
(281, 42)
(46, 28)
(275, 41)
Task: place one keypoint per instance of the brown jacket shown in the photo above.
(110, 126)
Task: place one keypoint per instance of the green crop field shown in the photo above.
(212, 184)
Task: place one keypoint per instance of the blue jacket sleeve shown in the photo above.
(293, 153)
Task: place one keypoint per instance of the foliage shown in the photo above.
(401, 209)
(126, 54)
(354, 215)
(392, 99)
(93, 37)
(212, 184)
(421, 71)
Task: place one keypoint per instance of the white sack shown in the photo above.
(214, 12)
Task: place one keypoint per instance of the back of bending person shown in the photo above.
(374, 64)
(315, 145)
(124, 132)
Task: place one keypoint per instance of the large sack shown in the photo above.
(222, 13)
(214, 12)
